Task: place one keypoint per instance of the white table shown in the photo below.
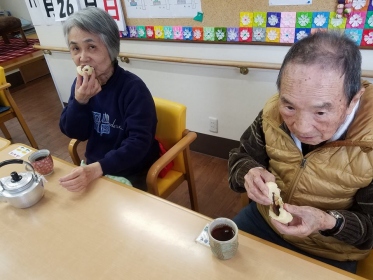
(112, 231)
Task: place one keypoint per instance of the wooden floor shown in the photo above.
(41, 107)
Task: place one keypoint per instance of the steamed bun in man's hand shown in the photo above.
(276, 210)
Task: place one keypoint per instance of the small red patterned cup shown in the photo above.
(42, 162)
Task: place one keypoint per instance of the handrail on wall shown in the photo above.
(243, 66)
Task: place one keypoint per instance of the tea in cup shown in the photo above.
(42, 162)
(223, 238)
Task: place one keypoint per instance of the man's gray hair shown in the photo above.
(329, 50)
(98, 22)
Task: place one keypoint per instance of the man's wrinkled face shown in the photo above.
(312, 102)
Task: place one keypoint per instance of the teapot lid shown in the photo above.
(17, 182)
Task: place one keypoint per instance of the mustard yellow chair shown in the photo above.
(9, 110)
(176, 139)
(365, 267)
(4, 143)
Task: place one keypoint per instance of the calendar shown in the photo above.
(50, 12)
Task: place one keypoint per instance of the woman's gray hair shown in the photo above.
(98, 22)
(329, 50)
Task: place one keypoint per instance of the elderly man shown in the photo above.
(314, 139)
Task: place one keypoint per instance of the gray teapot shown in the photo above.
(21, 190)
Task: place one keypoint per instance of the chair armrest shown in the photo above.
(165, 159)
(6, 98)
(73, 151)
(5, 86)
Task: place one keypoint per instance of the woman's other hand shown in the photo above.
(80, 177)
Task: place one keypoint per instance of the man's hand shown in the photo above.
(255, 185)
(306, 220)
(80, 177)
(86, 87)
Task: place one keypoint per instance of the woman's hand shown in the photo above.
(255, 185)
(306, 220)
(86, 87)
(80, 177)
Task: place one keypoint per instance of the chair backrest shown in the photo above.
(171, 124)
(3, 100)
(365, 267)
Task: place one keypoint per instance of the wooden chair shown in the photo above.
(9, 24)
(4, 143)
(172, 133)
(365, 267)
(244, 199)
(11, 111)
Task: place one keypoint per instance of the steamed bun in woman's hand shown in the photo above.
(276, 210)
(84, 69)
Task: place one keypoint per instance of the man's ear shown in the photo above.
(354, 100)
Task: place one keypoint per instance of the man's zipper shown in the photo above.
(302, 166)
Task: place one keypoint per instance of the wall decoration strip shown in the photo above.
(269, 27)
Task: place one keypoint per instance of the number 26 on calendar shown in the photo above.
(64, 8)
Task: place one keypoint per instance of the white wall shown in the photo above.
(16, 7)
(207, 91)
(220, 92)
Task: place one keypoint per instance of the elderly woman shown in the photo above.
(111, 108)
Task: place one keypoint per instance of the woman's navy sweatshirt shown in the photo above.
(119, 124)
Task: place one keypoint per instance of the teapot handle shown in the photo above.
(19, 161)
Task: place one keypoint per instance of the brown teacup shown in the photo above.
(42, 162)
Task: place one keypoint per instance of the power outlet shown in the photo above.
(213, 124)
